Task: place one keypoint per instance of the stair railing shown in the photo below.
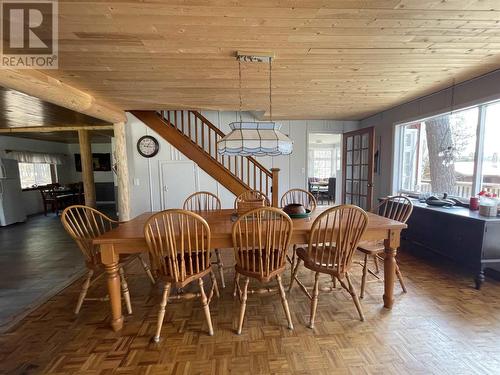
(205, 135)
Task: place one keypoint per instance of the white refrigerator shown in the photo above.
(11, 200)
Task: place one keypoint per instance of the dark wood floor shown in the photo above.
(37, 260)
(442, 326)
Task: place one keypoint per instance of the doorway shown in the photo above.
(324, 153)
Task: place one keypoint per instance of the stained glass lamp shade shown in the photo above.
(255, 139)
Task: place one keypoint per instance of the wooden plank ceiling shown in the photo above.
(343, 59)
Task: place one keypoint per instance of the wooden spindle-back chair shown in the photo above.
(202, 201)
(261, 238)
(251, 195)
(300, 196)
(83, 224)
(179, 243)
(397, 208)
(307, 200)
(333, 239)
(206, 201)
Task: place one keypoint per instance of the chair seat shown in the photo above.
(191, 273)
(256, 263)
(327, 261)
(371, 247)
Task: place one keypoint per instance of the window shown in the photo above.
(36, 174)
(438, 155)
(323, 155)
(490, 177)
(322, 163)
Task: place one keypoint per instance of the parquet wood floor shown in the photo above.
(442, 326)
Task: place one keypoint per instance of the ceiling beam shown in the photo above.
(51, 129)
(40, 85)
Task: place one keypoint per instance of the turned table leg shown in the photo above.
(391, 244)
(110, 261)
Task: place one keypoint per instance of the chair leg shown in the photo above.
(161, 312)
(243, 305)
(314, 301)
(214, 283)
(400, 278)
(375, 260)
(294, 256)
(206, 308)
(363, 278)
(83, 292)
(284, 302)
(126, 293)
(236, 284)
(294, 275)
(352, 291)
(147, 269)
(220, 266)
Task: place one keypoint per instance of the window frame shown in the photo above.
(398, 150)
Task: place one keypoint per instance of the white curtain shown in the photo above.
(35, 157)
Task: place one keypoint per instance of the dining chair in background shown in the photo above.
(307, 200)
(179, 243)
(397, 208)
(333, 239)
(250, 196)
(83, 224)
(206, 201)
(261, 238)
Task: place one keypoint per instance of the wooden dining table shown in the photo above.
(128, 238)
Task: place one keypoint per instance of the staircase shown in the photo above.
(196, 137)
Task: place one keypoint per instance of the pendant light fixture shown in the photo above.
(251, 138)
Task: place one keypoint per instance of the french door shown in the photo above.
(357, 167)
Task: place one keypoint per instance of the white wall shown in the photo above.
(32, 200)
(145, 174)
(479, 90)
(99, 176)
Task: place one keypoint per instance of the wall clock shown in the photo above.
(148, 146)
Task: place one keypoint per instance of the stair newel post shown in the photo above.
(275, 188)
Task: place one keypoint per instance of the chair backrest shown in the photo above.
(261, 239)
(179, 243)
(334, 237)
(397, 208)
(83, 224)
(202, 201)
(299, 196)
(251, 195)
(332, 183)
(48, 192)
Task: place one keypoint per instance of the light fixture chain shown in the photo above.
(270, 89)
(241, 101)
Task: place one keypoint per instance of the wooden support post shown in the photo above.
(122, 172)
(87, 167)
(275, 188)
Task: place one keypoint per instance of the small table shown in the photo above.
(128, 238)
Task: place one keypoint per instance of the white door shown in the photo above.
(178, 181)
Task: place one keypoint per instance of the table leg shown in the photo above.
(110, 261)
(391, 245)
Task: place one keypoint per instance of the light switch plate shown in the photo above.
(136, 182)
